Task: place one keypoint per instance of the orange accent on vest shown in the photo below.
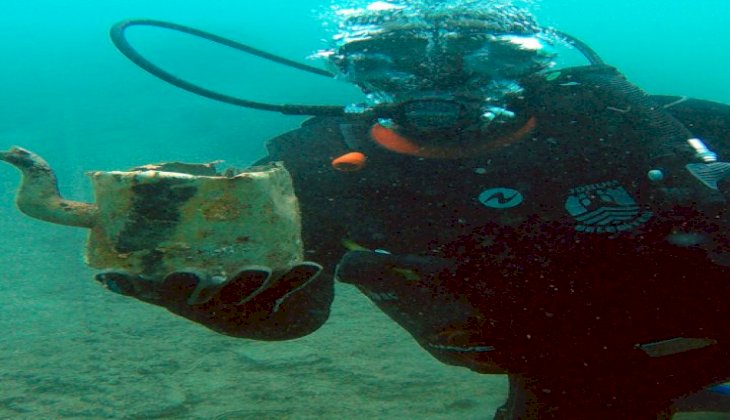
(397, 143)
(350, 162)
(393, 141)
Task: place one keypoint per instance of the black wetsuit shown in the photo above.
(586, 258)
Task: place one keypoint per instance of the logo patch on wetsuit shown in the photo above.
(710, 173)
(605, 207)
(501, 198)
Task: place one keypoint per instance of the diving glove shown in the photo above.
(232, 305)
(193, 288)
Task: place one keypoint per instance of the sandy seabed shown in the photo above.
(71, 349)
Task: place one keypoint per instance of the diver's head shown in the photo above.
(440, 67)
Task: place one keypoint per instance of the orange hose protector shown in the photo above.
(397, 143)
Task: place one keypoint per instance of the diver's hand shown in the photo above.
(247, 304)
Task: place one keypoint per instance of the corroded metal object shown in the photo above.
(156, 219)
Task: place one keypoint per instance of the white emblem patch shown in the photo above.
(605, 207)
(501, 198)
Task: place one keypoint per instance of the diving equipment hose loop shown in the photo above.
(119, 39)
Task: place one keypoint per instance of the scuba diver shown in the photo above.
(559, 225)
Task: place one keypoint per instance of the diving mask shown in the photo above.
(440, 69)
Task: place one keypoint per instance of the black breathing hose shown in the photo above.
(584, 49)
(119, 39)
(117, 34)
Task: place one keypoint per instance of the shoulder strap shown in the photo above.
(707, 119)
(664, 137)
